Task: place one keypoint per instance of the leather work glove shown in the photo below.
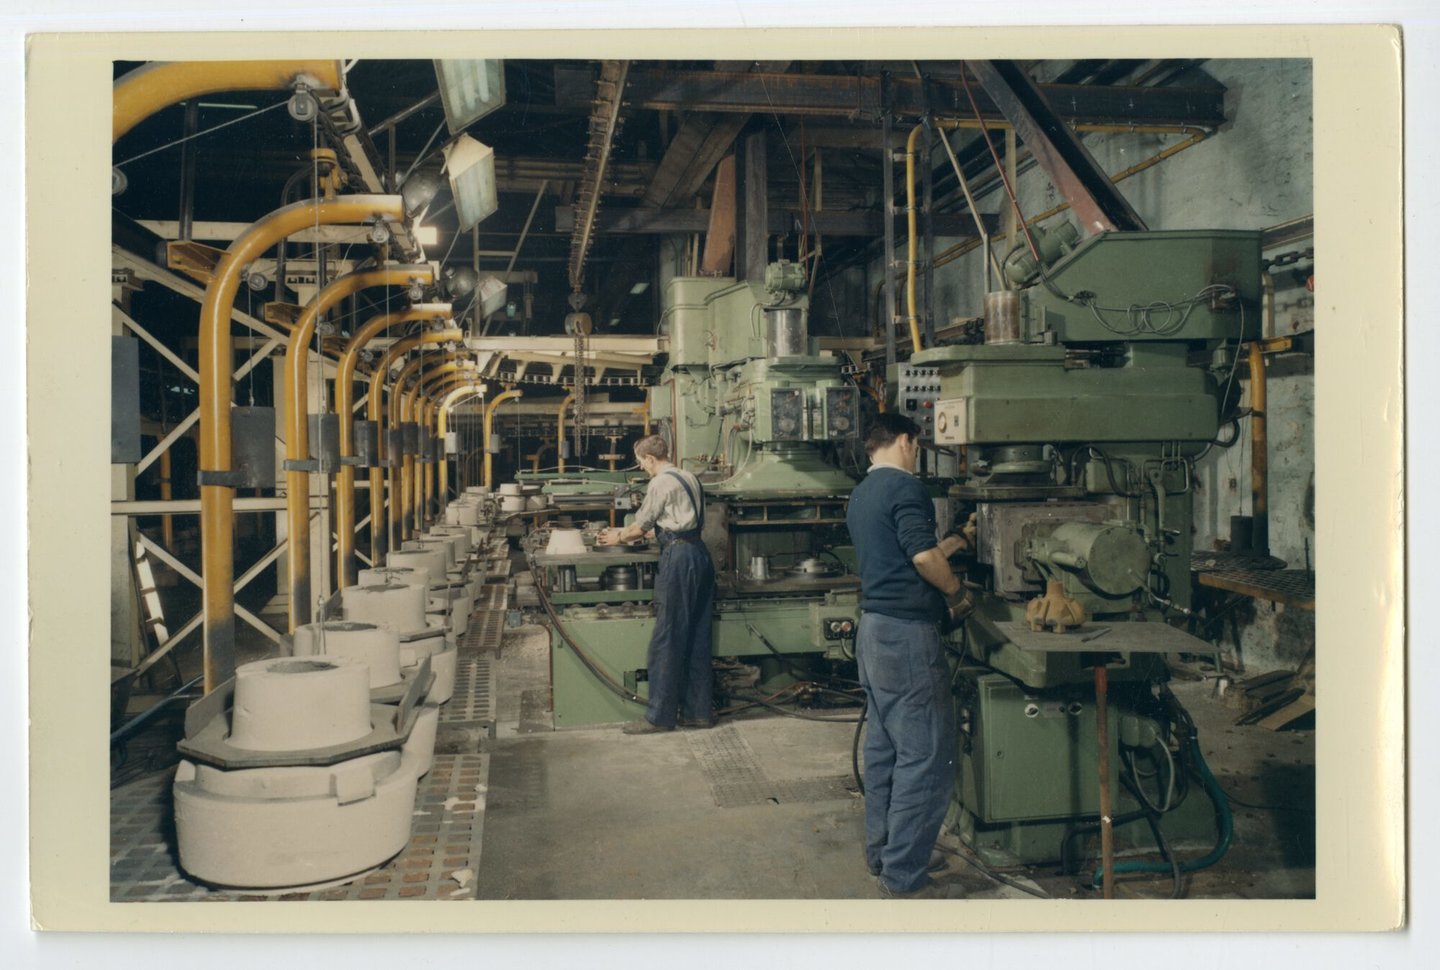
(958, 606)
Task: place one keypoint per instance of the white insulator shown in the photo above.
(468, 515)
(565, 542)
(452, 515)
(399, 607)
(431, 562)
(276, 828)
(376, 646)
(510, 488)
(292, 704)
(512, 503)
(395, 575)
(458, 534)
(444, 546)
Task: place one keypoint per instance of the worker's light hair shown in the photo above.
(653, 445)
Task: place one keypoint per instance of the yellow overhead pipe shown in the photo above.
(217, 508)
(297, 423)
(489, 428)
(429, 405)
(476, 389)
(145, 90)
(413, 514)
(379, 521)
(560, 433)
(346, 572)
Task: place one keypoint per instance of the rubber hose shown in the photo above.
(1222, 844)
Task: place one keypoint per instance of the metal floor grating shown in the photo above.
(440, 861)
(474, 695)
(736, 778)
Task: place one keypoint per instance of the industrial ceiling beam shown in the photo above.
(826, 222)
(1094, 199)
(843, 96)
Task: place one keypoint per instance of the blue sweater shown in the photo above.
(892, 520)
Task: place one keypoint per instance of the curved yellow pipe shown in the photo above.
(489, 428)
(560, 433)
(436, 383)
(379, 522)
(217, 509)
(443, 423)
(398, 413)
(413, 514)
(297, 420)
(145, 90)
(346, 568)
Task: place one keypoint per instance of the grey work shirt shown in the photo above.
(666, 505)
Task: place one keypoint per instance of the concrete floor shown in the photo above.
(761, 807)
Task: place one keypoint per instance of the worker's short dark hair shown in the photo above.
(887, 427)
(653, 445)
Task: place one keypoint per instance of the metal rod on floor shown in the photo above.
(139, 720)
(1102, 739)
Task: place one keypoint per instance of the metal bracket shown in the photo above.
(300, 465)
(233, 478)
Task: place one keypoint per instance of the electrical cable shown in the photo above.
(614, 686)
(855, 748)
(180, 141)
(1226, 827)
(999, 877)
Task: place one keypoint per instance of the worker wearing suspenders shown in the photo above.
(678, 661)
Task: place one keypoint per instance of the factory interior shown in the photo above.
(386, 332)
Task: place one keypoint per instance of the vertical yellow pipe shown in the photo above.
(560, 434)
(379, 520)
(451, 399)
(217, 508)
(346, 568)
(413, 473)
(910, 244)
(489, 429)
(433, 384)
(297, 421)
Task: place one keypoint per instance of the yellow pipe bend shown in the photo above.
(217, 510)
(456, 395)
(145, 90)
(346, 571)
(489, 428)
(297, 426)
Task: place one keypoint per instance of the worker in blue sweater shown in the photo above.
(907, 590)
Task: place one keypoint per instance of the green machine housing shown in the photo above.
(1076, 425)
(751, 407)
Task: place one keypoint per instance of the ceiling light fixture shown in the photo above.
(471, 168)
(469, 90)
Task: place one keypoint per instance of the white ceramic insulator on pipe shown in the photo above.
(376, 646)
(293, 704)
(395, 606)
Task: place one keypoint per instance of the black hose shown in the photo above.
(614, 686)
(855, 749)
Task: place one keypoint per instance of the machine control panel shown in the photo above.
(838, 627)
(842, 412)
(916, 394)
(787, 414)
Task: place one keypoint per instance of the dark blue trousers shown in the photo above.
(909, 745)
(679, 656)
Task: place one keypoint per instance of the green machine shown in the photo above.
(757, 413)
(1075, 427)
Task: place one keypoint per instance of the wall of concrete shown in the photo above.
(1254, 172)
